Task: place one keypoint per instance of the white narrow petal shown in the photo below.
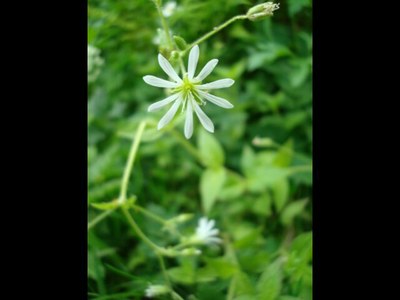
(210, 225)
(193, 59)
(218, 84)
(208, 68)
(166, 66)
(159, 82)
(157, 105)
(170, 114)
(189, 119)
(202, 222)
(213, 232)
(216, 100)
(204, 120)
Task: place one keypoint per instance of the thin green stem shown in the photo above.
(232, 288)
(183, 245)
(164, 271)
(130, 162)
(149, 214)
(170, 42)
(99, 218)
(164, 25)
(140, 233)
(214, 31)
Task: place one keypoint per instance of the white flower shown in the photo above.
(189, 92)
(156, 290)
(205, 233)
(94, 63)
(169, 8)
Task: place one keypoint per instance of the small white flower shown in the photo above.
(189, 92)
(95, 61)
(156, 290)
(169, 8)
(205, 233)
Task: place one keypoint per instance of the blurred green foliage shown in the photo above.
(253, 176)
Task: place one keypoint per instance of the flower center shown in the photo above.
(187, 86)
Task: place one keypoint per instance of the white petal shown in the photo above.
(219, 84)
(204, 120)
(202, 222)
(166, 66)
(189, 119)
(210, 224)
(208, 68)
(216, 100)
(158, 82)
(157, 105)
(213, 232)
(169, 115)
(193, 59)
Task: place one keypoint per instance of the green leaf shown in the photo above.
(211, 183)
(262, 205)
(210, 149)
(270, 283)
(284, 156)
(222, 267)
(248, 159)
(302, 246)
(182, 274)
(245, 297)
(244, 285)
(298, 265)
(233, 188)
(261, 178)
(292, 210)
(280, 190)
(289, 298)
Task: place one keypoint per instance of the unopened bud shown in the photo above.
(156, 290)
(262, 11)
(190, 252)
(262, 142)
(180, 42)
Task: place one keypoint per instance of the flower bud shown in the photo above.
(180, 42)
(262, 11)
(156, 290)
(190, 252)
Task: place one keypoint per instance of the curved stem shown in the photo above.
(170, 42)
(149, 214)
(99, 218)
(139, 232)
(214, 31)
(130, 162)
(164, 271)
(164, 25)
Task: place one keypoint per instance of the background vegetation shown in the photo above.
(253, 176)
